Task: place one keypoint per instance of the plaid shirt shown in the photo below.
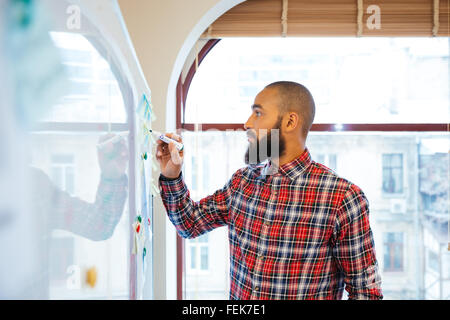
(301, 233)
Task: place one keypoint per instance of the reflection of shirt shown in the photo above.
(95, 221)
(301, 233)
(56, 209)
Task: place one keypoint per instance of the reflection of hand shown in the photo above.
(113, 157)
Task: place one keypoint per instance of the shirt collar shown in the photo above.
(291, 169)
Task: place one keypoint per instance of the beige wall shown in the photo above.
(163, 33)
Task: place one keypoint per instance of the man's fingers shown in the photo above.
(175, 155)
(163, 148)
(174, 136)
(166, 151)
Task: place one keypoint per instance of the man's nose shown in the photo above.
(248, 124)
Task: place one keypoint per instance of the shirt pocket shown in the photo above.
(239, 232)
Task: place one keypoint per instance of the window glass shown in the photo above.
(79, 187)
(366, 80)
(353, 80)
(93, 94)
(359, 157)
(393, 173)
(393, 251)
(85, 230)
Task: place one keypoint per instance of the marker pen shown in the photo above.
(167, 140)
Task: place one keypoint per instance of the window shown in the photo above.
(63, 248)
(369, 118)
(93, 94)
(62, 170)
(433, 260)
(366, 80)
(329, 160)
(64, 149)
(393, 251)
(433, 176)
(198, 254)
(194, 171)
(392, 173)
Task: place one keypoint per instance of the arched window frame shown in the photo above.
(181, 97)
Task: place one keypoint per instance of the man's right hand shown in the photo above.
(169, 158)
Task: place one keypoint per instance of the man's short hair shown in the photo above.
(295, 97)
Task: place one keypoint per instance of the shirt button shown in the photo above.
(260, 256)
(256, 288)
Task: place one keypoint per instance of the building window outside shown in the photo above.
(62, 172)
(433, 260)
(393, 251)
(328, 160)
(198, 254)
(393, 173)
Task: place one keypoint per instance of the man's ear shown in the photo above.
(292, 121)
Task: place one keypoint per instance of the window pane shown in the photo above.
(93, 94)
(70, 183)
(363, 156)
(62, 158)
(227, 151)
(320, 158)
(193, 257)
(393, 251)
(396, 161)
(392, 173)
(83, 234)
(352, 80)
(56, 176)
(433, 261)
(398, 257)
(204, 258)
(203, 238)
(397, 177)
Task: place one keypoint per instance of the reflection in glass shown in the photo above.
(79, 194)
(93, 94)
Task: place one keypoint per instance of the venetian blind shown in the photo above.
(266, 18)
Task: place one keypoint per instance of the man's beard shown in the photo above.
(264, 149)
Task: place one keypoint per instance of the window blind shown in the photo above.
(272, 18)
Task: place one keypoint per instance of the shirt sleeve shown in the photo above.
(354, 249)
(95, 221)
(190, 218)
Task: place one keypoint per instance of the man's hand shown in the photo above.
(113, 157)
(169, 158)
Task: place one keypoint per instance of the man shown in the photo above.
(296, 229)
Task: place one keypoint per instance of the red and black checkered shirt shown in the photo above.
(300, 233)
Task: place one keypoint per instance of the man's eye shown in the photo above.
(258, 113)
